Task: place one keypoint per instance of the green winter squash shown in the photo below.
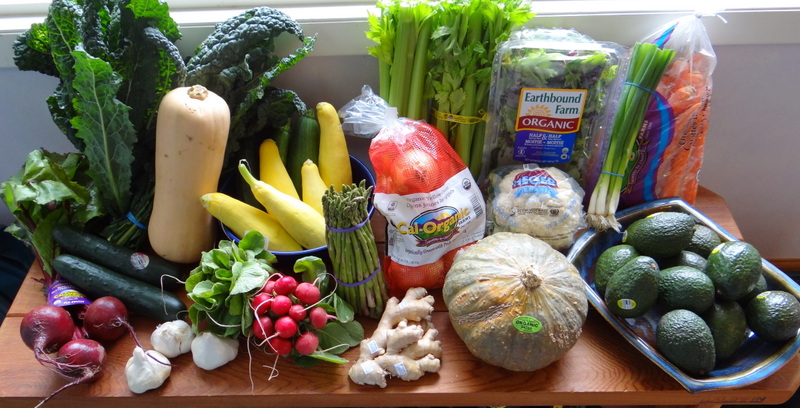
(516, 302)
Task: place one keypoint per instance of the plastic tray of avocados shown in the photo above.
(755, 360)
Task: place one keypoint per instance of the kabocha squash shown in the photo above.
(516, 302)
(191, 136)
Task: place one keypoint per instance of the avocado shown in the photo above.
(660, 235)
(633, 289)
(734, 267)
(685, 340)
(774, 315)
(609, 262)
(704, 240)
(685, 258)
(684, 287)
(728, 325)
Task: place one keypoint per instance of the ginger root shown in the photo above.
(403, 344)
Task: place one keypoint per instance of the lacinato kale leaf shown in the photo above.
(238, 62)
(115, 60)
(104, 127)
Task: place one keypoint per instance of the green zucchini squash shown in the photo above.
(140, 298)
(151, 269)
(304, 145)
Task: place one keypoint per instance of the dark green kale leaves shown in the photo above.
(238, 62)
(115, 60)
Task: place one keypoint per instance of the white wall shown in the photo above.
(751, 151)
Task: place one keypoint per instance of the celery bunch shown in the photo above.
(439, 55)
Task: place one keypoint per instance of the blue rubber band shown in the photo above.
(639, 86)
(351, 229)
(613, 174)
(359, 283)
(135, 221)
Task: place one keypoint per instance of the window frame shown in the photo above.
(340, 24)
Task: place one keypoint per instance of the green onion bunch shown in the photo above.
(648, 62)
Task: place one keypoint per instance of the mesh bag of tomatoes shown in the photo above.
(430, 199)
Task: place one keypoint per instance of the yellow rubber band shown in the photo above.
(450, 117)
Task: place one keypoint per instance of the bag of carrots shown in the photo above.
(430, 199)
(668, 154)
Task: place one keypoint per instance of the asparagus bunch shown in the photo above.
(352, 249)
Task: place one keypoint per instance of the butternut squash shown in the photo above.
(272, 170)
(334, 158)
(241, 217)
(300, 220)
(191, 136)
(313, 186)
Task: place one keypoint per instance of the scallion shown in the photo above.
(648, 63)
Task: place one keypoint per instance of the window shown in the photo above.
(340, 24)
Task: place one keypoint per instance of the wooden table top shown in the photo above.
(602, 369)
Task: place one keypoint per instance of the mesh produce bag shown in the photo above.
(430, 199)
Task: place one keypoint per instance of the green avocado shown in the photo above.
(734, 267)
(728, 325)
(609, 262)
(660, 235)
(685, 340)
(633, 289)
(684, 287)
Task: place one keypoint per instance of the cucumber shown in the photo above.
(140, 298)
(303, 145)
(137, 265)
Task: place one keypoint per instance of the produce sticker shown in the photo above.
(548, 121)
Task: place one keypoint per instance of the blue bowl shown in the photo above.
(286, 260)
(755, 359)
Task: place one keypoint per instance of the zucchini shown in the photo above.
(137, 265)
(304, 145)
(140, 298)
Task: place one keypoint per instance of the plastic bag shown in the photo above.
(365, 115)
(545, 203)
(669, 152)
(551, 91)
(430, 199)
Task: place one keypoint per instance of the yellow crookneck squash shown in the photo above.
(191, 136)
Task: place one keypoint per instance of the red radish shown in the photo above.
(306, 343)
(307, 293)
(79, 361)
(285, 285)
(285, 327)
(281, 305)
(297, 312)
(319, 317)
(106, 319)
(261, 303)
(280, 345)
(269, 286)
(262, 327)
(45, 329)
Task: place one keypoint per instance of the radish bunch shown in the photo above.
(287, 315)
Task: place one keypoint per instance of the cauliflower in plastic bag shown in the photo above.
(545, 203)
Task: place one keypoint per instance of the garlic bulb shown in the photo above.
(210, 351)
(144, 373)
(172, 338)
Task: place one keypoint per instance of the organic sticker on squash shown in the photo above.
(527, 324)
(626, 304)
